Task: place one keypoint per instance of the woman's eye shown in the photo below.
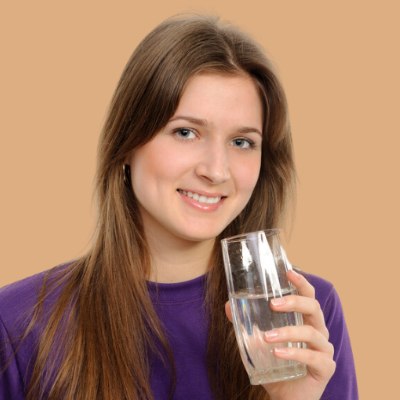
(185, 133)
(243, 143)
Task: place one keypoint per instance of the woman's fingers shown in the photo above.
(315, 340)
(318, 356)
(310, 308)
(304, 303)
(319, 364)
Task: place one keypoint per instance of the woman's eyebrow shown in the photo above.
(203, 122)
(249, 129)
(197, 121)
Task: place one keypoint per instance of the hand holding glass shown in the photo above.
(256, 269)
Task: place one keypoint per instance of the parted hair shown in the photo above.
(98, 335)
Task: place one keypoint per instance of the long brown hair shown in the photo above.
(99, 333)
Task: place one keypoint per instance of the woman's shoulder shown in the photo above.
(17, 294)
(19, 298)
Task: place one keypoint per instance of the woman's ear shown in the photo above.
(126, 173)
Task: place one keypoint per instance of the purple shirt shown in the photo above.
(180, 307)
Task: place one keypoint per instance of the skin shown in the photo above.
(212, 146)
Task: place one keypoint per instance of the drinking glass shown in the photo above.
(256, 270)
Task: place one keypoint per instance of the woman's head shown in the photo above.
(148, 95)
(195, 176)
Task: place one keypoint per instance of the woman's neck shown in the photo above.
(176, 260)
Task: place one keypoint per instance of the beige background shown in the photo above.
(339, 63)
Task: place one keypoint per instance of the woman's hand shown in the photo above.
(318, 356)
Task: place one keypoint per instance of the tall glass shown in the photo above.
(256, 270)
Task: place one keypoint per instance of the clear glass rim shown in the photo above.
(242, 236)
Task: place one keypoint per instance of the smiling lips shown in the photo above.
(201, 201)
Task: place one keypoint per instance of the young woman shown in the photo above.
(196, 147)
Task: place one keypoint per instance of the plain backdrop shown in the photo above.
(339, 64)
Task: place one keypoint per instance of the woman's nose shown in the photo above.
(214, 165)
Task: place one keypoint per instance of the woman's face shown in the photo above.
(199, 171)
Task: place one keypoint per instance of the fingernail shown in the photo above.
(271, 334)
(281, 350)
(278, 301)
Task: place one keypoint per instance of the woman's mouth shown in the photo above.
(201, 198)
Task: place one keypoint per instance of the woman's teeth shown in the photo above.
(201, 198)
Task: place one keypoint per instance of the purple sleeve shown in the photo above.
(11, 384)
(343, 384)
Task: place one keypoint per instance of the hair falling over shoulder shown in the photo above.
(103, 327)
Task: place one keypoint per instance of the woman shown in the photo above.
(196, 147)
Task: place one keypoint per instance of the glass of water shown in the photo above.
(256, 270)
